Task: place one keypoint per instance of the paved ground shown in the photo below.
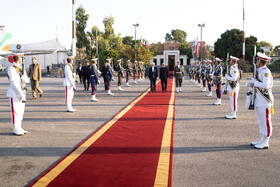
(208, 149)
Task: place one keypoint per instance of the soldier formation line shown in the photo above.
(207, 74)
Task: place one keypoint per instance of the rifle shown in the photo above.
(252, 103)
(225, 88)
(23, 83)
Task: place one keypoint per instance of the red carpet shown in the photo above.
(133, 149)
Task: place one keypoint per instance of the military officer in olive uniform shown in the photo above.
(179, 76)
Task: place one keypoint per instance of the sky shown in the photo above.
(32, 21)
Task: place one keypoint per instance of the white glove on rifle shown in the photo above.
(253, 80)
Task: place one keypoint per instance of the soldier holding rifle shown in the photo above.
(263, 100)
(120, 72)
(233, 77)
(209, 77)
(17, 92)
(218, 71)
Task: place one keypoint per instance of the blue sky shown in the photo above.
(36, 20)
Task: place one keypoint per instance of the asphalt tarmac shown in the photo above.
(209, 150)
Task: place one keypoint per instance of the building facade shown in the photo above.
(169, 53)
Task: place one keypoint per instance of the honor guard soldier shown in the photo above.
(109, 76)
(209, 77)
(179, 76)
(119, 70)
(69, 84)
(233, 78)
(195, 73)
(191, 72)
(128, 72)
(142, 71)
(218, 71)
(94, 79)
(203, 75)
(17, 92)
(264, 99)
(135, 71)
(198, 74)
(139, 71)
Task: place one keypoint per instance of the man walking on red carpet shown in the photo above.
(153, 75)
(163, 75)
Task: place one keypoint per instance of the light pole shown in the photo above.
(201, 25)
(135, 25)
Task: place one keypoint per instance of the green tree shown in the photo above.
(126, 52)
(276, 50)
(93, 36)
(231, 42)
(128, 40)
(109, 30)
(114, 54)
(155, 50)
(144, 54)
(177, 35)
(186, 50)
(81, 24)
(266, 44)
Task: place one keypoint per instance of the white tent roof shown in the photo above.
(46, 46)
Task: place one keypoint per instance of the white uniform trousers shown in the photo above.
(233, 96)
(17, 108)
(264, 120)
(69, 94)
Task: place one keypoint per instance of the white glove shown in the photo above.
(183, 78)
(250, 84)
(226, 76)
(98, 82)
(113, 78)
(253, 80)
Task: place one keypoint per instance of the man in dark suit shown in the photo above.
(80, 72)
(104, 76)
(86, 75)
(163, 75)
(153, 75)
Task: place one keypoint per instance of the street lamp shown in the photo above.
(201, 25)
(135, 25)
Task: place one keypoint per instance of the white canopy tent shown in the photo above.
(47, 53)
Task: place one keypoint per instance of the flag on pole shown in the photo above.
(194, 47)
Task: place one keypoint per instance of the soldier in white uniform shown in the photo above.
(16, 93)
(263, 101)
(233, 77)
(69, 84)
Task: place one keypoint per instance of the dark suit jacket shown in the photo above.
(153, 75)
(86, 71)
(79, 72)
(163, 73)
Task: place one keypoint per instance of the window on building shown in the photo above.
(155, 61)
(182, 61)
(171, 48)
(161, 61)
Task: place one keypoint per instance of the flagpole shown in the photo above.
(73, 29)
(243, 32)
